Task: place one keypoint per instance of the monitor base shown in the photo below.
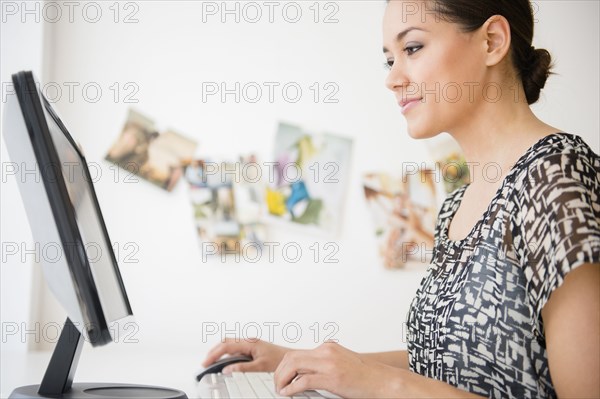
(102, 390)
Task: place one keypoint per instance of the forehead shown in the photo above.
(411, 10)
(404, 13)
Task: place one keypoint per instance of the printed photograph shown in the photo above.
(454, 170)
(311, 179)
(403, 209)
(158, 158)
(449, 162)
(227, 209)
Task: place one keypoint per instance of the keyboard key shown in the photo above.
(244, 386)
(249, 385)
(232, 388)
(261, 388)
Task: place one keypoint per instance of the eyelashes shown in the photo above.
(409, 50)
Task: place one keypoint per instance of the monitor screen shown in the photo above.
(89, 221)
(63, 211)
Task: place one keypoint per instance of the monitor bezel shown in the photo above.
(32, 104)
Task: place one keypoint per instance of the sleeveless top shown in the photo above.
(476, 322)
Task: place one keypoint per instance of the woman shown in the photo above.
(510, 305)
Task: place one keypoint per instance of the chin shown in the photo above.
(418, 132)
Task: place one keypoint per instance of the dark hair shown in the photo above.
(532, 65)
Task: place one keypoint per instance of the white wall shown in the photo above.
(568, 29)
(168, 54)
(21, 47)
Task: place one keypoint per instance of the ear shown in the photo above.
(497, 35)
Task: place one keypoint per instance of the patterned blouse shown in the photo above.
(475, 321)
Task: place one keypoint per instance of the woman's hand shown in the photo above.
(335, 369)
(265, 356)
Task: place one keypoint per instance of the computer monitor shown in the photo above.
(63, 211)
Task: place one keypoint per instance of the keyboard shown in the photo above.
(247, 386)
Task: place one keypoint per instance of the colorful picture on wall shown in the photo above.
(158, 158)
(454, 170)
(450, 162)
(310, 179)
(404, 211)
(227, 209)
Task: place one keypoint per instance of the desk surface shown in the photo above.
(121, 363)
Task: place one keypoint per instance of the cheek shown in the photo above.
(455, 77)
(448, 82)
(458, 65)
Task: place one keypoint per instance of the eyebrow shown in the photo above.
(401, 35)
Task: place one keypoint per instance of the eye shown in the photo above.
(388, 64)
(410, 50)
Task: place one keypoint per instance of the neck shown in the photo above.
(499, 132)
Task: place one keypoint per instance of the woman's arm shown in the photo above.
(412, 385)
(572, 327)
(350, 375)
(395, 359)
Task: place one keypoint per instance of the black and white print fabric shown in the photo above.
(475, 321)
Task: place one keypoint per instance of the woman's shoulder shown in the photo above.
(559, 159)
(559, 145)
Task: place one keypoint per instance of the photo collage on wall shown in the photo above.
(304, 186)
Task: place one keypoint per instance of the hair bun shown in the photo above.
(536, 73)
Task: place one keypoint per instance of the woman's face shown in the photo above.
(436, 71)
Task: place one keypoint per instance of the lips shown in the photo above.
(409, 103)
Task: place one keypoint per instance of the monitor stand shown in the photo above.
(58, 380)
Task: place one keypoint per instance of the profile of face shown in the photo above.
(435, 68)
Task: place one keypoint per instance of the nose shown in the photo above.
(396, 78)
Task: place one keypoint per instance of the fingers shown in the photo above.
(310, 369)
(228, 347)
(254, 365)
(302, 383)
(295, 364)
